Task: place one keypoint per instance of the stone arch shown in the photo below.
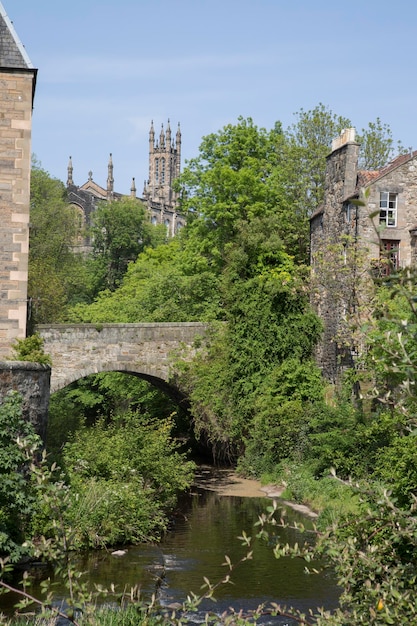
(149, 374)
(146, 350)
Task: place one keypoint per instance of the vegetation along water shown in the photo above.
(120, 454)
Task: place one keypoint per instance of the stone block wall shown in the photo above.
(31, 381)
(16, 93)
(144, 349)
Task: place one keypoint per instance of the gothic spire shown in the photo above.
(110, 179)
(70, 171)
(168, 134)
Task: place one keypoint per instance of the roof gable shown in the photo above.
(95, 189)
(366, 178)
(12, 51)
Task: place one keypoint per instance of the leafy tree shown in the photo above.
(120, 231)
(125, 477)
(56, 273)
(268, 323)
(234, 180)
(377, 146)
(309, 142)
(167, 283)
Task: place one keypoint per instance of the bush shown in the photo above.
(31, 349)
(123, 479)
(19, 446)
(396, 467)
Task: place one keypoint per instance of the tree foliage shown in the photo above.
(120, 231)
(19, 446)
(56, 273)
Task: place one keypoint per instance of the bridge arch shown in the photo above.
(152, 377)
(146, 350)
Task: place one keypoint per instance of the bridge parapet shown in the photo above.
(145, 349)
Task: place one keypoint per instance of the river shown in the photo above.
(204, 530)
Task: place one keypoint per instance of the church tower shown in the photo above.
(164, 167)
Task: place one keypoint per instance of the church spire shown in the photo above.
(168, 134)
(151, 138)
(178, 151)
(70, 171)
(110, 179)
(162, 138)
(133, 189)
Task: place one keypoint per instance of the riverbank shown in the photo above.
(226, 482)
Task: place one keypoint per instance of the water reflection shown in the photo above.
(206, 529)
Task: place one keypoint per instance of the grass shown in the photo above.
(326, 496)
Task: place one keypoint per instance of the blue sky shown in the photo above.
(108, 67)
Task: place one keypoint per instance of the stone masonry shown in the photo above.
(145, 350)
(347, 244)
(17, 85)
(31, 381)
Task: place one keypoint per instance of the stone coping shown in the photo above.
(99, 325)
(29, 366)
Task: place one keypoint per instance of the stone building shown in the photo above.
(158, 196)
(17, 80)
(346, 243)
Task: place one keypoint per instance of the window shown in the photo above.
(162, 170)
(388, 208)
(156, 170)
(389, 256)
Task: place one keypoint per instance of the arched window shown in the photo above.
(154, 220)
(156, 170)
(162, 170)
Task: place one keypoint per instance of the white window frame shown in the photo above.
(388, 205)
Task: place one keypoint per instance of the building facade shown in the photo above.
(159, 195)
(18, 80)
(367, 223)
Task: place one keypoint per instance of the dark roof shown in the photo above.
(12, 52)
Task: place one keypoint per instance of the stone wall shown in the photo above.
(330, 227)
(401, 180)
(31, 381)
(15, 161)
(346, 244)
(146, 350)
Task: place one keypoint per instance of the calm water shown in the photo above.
(202, 534)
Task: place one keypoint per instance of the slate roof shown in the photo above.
(12, 52)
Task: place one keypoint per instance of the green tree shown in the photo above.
(309, 142)
(168, 283)
(234, 179)
(56, 273)
(120, 231)
(265, 305)
(377, 146)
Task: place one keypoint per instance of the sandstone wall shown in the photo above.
(16, 92)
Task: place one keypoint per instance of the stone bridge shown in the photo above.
(145, 350)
